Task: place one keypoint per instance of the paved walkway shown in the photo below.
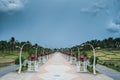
(56, 68)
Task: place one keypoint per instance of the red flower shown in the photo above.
(32, 57)
(73, 54)
(81, 56)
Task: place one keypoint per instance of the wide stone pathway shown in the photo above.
(57, 68)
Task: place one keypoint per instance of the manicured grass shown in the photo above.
(109, 58)
(6, 60)
(103, 58)
(10, 57)
(106, 54)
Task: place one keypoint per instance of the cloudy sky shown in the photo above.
(59, 23)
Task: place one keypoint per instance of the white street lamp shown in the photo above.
(20, 62)
(43, 51)
(94, 60)
(78, 52)
(36, 51)
(71, 56)
(43, 57)
(71, 52)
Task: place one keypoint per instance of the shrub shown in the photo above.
(92, 58)
(17, 60)
(90, 68)
(24, 68)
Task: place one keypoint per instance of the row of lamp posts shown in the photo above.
(20, 62)
(84, 57)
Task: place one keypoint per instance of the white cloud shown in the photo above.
(109, 7)
(96, 7)
(113, 28)
(102, 6)
(11, 5)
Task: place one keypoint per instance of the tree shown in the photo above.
(3, 45)
(117, 42)
(12, 44)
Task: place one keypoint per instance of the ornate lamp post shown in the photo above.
(43, 57)
(20, 62)
(78, 52)
(36, 51)
(71, 57)
(94, 69)
(78, 60)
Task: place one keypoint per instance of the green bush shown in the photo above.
(90, 68)
(24, 68)
(17, 60)
(92, 58)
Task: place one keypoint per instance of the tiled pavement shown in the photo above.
(56, 68)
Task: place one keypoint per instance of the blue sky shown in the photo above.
(59, 23)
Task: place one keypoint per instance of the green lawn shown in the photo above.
(110, 58)
(106, 54)
(10, 57)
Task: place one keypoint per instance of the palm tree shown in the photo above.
(12, 44)
(3, 45)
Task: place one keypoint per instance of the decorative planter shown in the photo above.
(32, 63)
